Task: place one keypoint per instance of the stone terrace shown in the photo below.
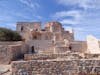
(56, 67)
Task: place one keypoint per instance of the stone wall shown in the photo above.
(43, 56)
(16, 52)
(4, 55)
(40, 45)
(53, 27)
(60, 50)
(11, 51)
(10, 43)
(56, 67)
(79, 46)
(69, 36)
(26, 26)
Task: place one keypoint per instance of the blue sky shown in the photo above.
(81, 15)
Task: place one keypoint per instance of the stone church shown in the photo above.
(52, 39)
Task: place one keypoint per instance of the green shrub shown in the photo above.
(9, 35)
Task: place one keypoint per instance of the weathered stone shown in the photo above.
(57, 67)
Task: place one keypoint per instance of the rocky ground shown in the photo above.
(5, 70)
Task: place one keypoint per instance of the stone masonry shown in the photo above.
(49, 51)
(57, 67)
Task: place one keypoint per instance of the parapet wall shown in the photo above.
(4, 54)
(57, 67)
(43, 56)
(10, 43)
(62, 56)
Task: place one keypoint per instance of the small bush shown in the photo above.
(9, 35)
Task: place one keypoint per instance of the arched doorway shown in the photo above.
(32, 49)
(70, 47)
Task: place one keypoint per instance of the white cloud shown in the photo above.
(34, 6)
(85, 21)
(74, 13)
(81, 3)
(77, 14)
(30, 4)
(66, 21)
(62, 16)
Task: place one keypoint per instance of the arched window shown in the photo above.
(22, 28)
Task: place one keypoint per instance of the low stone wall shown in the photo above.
(15, 51)
(10, 43)
(43, 56)
(11, 52)
(4, 55)
(56, 67)
(92, 56)
(79, 46)
(63, 56)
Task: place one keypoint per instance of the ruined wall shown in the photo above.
(68, 35)
(78, 46)
(53, 27)
(59, 43)
(59, 32)
(40, 45)
(10, 43)
(71, 31)
(42, 35)
(43, 56)
(26, 26)
(60, 50)
(15, 51)
(54, 67)
(4, 55)
(25, 29)
(11, 51)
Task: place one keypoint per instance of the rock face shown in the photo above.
(56, 67)
(93, 45)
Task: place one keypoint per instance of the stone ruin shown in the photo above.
(49, 51)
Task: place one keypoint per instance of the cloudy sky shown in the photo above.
(82, 15)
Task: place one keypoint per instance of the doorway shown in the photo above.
(32, 49)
